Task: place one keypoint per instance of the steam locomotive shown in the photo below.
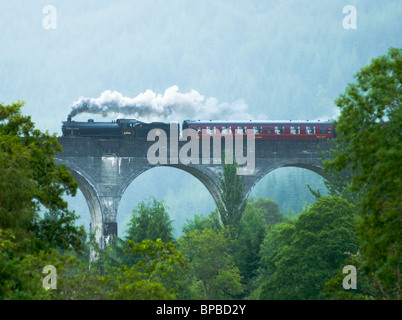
(115, 129)
(132, 128)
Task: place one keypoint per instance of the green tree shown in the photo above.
(252, 231)
(232, 202)
(268, 209)
(30, 178)
(57, 230)
(150, 221)
(338, 183)
(200, 223)
(152, 277)
(365, 290)
(210, 263)
(370, 129)
(258, 217)
(21, 276)
(300, 256)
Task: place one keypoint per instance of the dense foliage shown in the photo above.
(301, 255)
(29, 179)
(370, 132)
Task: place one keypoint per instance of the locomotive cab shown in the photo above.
(127, 126)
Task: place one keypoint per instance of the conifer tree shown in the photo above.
(232, 204)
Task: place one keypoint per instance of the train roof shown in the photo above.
(113, 121)
(89, 123)
(121, 120)
(262, 122)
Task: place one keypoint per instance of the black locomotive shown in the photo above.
(116, 129)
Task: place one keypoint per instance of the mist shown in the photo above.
(283, 59)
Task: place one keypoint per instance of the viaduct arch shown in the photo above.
(104, 168)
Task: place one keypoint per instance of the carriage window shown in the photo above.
(199, 130)
(268, 130)
(310, 130)
(257, 130)
(210, 130)
(322, 130)
(241, 130)
(294, 130)
(226, 130)
(279, 130)
(329, 130)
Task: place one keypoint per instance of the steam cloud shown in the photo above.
(171, 106)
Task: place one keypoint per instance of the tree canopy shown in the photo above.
(370, 130)
(150, 221)
(30, 178)
(301, 255)
(211, 263)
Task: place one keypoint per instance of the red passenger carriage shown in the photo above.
(290, 129)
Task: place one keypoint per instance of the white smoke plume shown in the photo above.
(169, 106)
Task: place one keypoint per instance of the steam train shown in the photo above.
(132, 128)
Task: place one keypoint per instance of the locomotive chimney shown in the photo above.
(69, 118)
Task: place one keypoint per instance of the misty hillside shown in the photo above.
(284, 59)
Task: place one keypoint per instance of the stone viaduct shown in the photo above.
(104, 168)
